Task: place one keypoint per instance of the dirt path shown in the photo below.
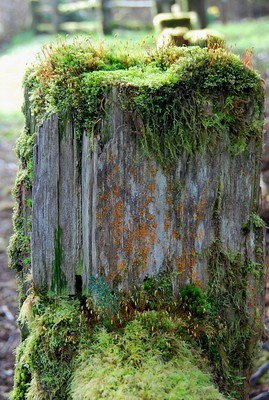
(9, 333)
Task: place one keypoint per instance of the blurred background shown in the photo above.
(27, 25)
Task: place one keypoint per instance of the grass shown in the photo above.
(249, 34)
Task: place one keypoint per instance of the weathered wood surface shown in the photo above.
(107, 210)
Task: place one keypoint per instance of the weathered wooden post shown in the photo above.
(139, 189)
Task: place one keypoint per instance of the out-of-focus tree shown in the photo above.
(14, 16)
(199, 6)
(232, 10)
(55, 15)
(106, 16)
(163, 6)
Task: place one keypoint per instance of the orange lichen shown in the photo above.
(151, 187)
(116, 191)
(166, 224)
(203, 205)
(143, 232)
(153, 238)
(201, 233)
(154, 224)
(99, 215)
(197, 282)
(169, 200)
(121, 266)
(193, 275)
(112, 275)
(180, 208)
(153, 171)
(181, 262)
(175, 234)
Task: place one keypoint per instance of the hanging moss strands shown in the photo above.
(137, 240)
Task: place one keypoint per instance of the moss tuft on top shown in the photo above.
(205, 91)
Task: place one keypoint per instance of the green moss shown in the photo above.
(254, 221)
(58, 283)
(231, 279)
(45, 357)
(141, 364)
(160, 88)
(71, 347)
(19, 245)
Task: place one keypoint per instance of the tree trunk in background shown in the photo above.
(106, 17)
(164, 6)
(14, 16)
(200, 7)
(55, 15)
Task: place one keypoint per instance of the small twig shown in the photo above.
(257, 375)
(10, 344)
(265, 346)
(262, 396)
(7, 313)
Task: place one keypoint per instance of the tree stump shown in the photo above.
(147, 182)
